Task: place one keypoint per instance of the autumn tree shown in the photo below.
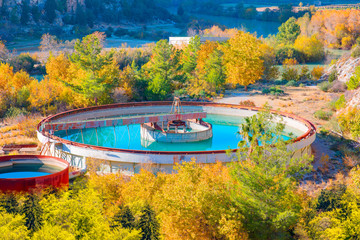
(61, 70)
(52, 231)
(311, 48)
(4, 53)
(12, 226)
(271, 71)
(196, 201)
(48, 43)
(288, 31)
(14, 88)
(209, 75)
(242, 59)
(80, 212)
(336, 28)
(216, 31)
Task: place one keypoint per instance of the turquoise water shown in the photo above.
(23, 174)
(20, 170)
(225, 136)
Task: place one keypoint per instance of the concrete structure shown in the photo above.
(180, 41)
(198, 132)
(130, 161)
(57, 179)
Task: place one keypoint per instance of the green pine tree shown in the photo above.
(162, 71)
(32, 212)
(148, 224)
(9, 203)
(288, 31)
(124, 218)
(25, 11)
(214, 71)
(189, 58)
(266, 177)
(88, 56)
(50, 7)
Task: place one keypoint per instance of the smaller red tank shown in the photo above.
(22, 173)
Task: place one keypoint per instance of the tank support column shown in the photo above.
(115, 135)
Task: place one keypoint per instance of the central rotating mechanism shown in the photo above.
(179, 130)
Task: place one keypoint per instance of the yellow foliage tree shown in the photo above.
(61, 70)
(43, 94)
(311, 47)
(205, 51)
(195, 203)
(12, 226)
(243, 59)
(6, 75)
(215, 31)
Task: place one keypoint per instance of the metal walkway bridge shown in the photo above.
(121, 120)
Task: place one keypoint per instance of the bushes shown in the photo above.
(338, 86)
(291, 83)
(23, 62)
(317, 72)
(320, 114)
(354, 81)
(304, 73)
(285, 52)
(349, 121)
(341, 102)
(273, 91)
(332, 76)
(247, 103)
(325, 86)
(355, 52)
(289, 74)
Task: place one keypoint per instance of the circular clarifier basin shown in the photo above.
(114, 133)
(224, 136)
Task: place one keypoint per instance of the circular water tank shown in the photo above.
(25, 172)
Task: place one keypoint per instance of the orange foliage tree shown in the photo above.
(336, 28)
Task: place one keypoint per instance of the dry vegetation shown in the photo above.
(20, 130)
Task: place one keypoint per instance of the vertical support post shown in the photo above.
(97, 138)
(82, 135)
(128, 133)
(115, 135)
(66, 132)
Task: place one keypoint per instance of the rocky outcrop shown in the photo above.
(344, 67)
(354, 100)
